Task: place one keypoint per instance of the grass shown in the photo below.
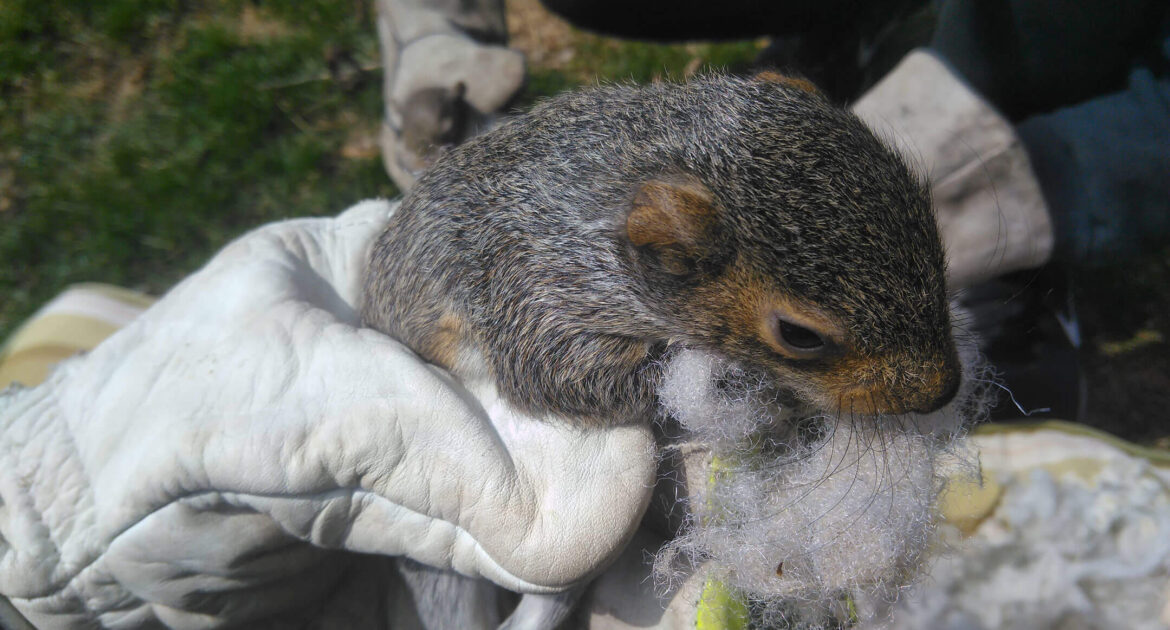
(140, 136)
(137, 137)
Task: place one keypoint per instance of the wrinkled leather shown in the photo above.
(213, 463)
(991, 211)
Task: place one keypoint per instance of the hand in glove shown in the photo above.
(448, 73)
(212, 463)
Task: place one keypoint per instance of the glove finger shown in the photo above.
(202, 562)
(251, 378)
(395, 457)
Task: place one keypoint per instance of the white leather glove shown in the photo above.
(211, 464)
(991, 212)
(448, 73)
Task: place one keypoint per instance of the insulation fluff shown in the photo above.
(799, 510)
(1059, 551)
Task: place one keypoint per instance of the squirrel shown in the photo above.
(565, 253)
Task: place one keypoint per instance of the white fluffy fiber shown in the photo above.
(1057, 553)
(841, 506)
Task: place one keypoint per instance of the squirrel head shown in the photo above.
(818, 261)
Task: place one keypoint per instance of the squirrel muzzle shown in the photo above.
(899, 387)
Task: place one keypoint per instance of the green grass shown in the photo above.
(139, 136)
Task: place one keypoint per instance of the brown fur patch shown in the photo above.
(671, 214)
(889, 385)
(446, 341)
(737, 297)
(771, 76)
(750, 301)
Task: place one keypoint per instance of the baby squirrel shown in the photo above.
(565, 253)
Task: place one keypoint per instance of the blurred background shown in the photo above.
(137, 137)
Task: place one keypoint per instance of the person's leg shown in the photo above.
(1031, 56)
(830, 42)
(1104, 167)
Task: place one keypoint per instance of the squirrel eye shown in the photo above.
(798, 338)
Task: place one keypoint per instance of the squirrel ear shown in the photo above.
(771, 76)
(673, 218)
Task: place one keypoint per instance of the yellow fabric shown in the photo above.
(58, 331)
(720, 609)
(1155, 456)
(967, 503)
(32, 366)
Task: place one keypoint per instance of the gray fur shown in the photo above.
(520, 233)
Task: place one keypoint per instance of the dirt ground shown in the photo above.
(1125, 312)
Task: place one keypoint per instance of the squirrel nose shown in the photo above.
(946, 395)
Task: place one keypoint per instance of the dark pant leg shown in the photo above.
(1031, 56)
(1104, 167)
(679, 20)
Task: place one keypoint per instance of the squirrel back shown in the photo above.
(565, 252)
